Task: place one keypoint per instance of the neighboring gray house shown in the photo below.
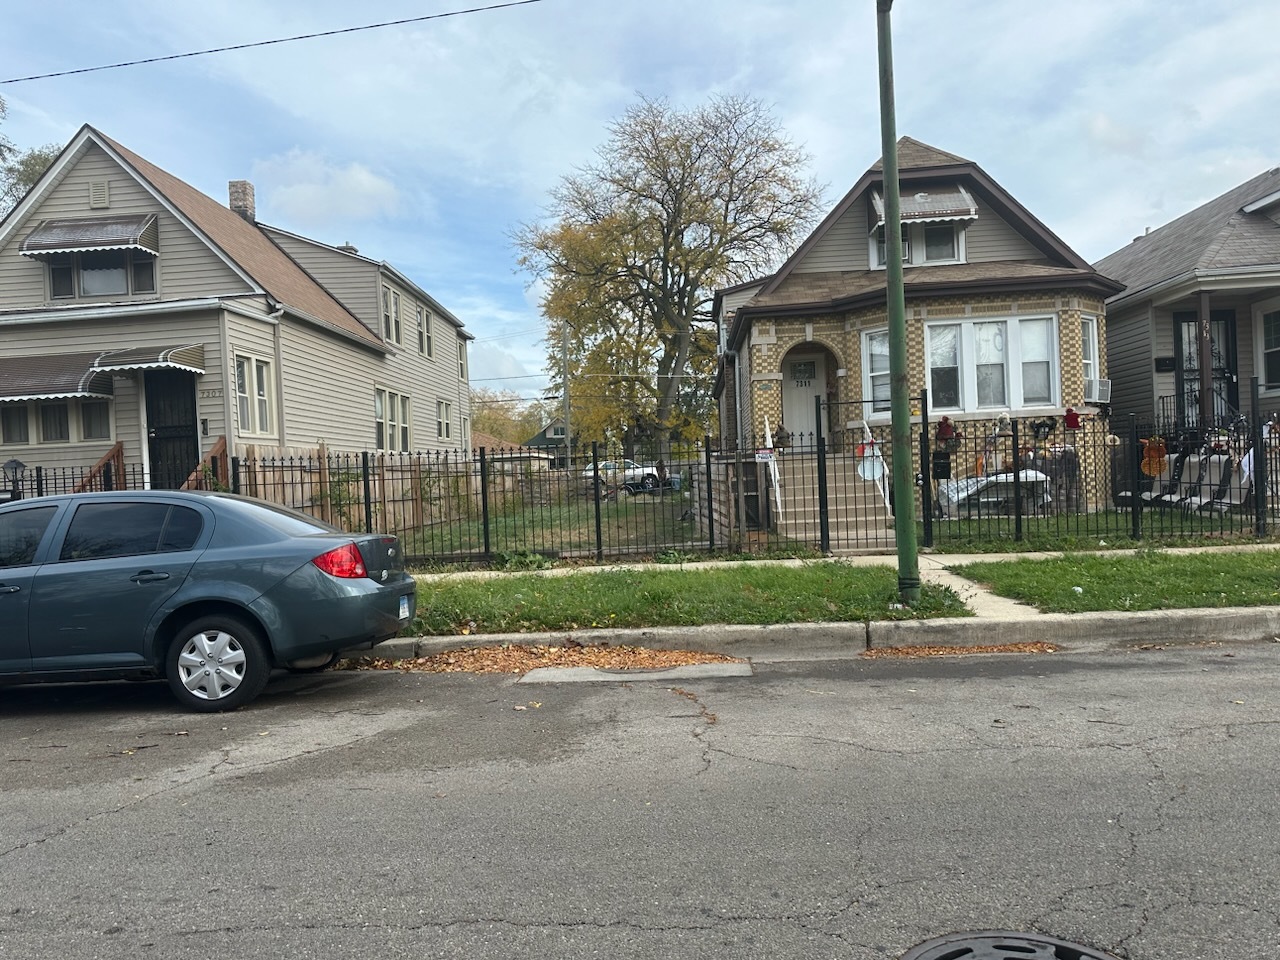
(552, 438)
(1202, 291)
(143, 321)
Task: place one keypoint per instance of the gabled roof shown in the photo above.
(251, 249)
(243, 246)
(1216, 235)
(919, 162)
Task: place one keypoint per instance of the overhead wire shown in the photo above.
(267, 43)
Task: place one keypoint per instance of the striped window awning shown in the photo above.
(81, 234)
(930, 206)
(61, 376)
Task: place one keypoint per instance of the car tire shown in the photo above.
(649, 482)
(215, 663)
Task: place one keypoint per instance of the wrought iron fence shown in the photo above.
(1050, 482)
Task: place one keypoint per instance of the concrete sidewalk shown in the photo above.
(995, 620)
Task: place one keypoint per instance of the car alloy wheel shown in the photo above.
(216, 663)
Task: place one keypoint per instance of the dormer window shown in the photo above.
(94, 257)
(933, 225)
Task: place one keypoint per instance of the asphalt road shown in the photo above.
(845, 809)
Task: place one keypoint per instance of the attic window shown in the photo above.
(99, 195)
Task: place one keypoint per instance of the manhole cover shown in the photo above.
(1002, 945)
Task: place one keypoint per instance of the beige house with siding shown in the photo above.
(142, 320)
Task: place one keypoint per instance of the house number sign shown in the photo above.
(213, 394)
(804, 372)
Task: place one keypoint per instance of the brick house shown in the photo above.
(1002, 316)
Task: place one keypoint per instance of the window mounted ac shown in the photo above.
(1097, 391)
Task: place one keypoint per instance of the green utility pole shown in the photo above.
(904, 488)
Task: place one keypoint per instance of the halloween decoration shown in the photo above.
(1071, 419)
(1153, 456)
(1041, 429)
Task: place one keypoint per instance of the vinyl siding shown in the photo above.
(328, 390)
(1130, 364)
(353, 280)
(732, 301)
(116, 334)
(990, 238)
(186, 268)
(844, 247)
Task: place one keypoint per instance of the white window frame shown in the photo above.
(396, 314)
(462, 360)
(386, 312)
(967, 352)
(1260, 311)
(1091, 368)
(556, 432)
(395, 420)
(868, 377)
(420, 314)
(444, 420)
(916, 253)
(431, 340)
(258, 396)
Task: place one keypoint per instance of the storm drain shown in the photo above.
(1002, 945)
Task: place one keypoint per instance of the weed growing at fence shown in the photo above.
(1146, 580)
(816, 592)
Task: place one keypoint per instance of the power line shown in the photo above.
(267, 43)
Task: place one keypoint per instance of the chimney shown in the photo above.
(240, 193)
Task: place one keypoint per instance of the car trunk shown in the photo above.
(382, 555)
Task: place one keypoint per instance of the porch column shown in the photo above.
(1206, 363)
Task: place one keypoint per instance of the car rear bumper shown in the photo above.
(311, 613)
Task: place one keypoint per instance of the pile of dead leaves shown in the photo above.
(913, 653)
(521, 658)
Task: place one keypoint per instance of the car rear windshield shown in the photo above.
(291, 523)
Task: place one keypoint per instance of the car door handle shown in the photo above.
(4, 589)
(148, 576)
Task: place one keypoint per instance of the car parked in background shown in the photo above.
(623, 473)
(208, 590)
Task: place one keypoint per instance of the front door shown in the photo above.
(1226, 380)
(804, 377)
(173, 443)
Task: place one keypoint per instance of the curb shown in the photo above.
(844, 640)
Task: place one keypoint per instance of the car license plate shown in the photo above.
(404, 607)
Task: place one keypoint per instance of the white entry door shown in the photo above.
(803, 378)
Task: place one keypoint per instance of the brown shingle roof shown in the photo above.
(913, 153)
(249, 247)
(825, 288)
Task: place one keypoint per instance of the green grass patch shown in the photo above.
(1148, 580)
(814, 592)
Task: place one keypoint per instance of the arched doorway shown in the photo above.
(808, 371)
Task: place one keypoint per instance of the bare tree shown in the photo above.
(678, 204)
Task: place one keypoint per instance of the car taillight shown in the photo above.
(344, 561)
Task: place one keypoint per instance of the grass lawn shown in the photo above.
(1148, 580)
(814, 592)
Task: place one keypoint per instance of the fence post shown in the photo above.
(484, 502)
(711, 513)
(1259, 464)
(368, 491)
(926, 471)
(1017, 485)
(235, 474)
(595, 496)
(824, 506)
(39, 481)
(108, 482)
(1135, 478)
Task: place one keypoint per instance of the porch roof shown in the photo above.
(79, 234)
(53, 377)
(189, 357)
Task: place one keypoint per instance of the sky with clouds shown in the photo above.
(428, 144)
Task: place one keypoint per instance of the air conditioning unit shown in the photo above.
(1097, 391)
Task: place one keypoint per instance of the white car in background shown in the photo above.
(624, 473)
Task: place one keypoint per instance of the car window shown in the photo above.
(291, 523)
(20, 534)
(101, 530)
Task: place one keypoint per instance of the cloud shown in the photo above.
(305, 189)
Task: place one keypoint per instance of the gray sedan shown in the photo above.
(210, 591)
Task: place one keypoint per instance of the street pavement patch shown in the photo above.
(699, 671)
